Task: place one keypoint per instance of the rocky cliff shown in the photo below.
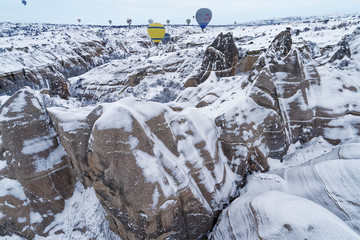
(157, 173)
(43, 64)
(37, 170)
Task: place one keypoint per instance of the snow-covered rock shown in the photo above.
(319, 199)
(36, 176)
(277, 215)
(156, 170)
(45, 57)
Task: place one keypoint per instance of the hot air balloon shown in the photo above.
(203, 17)
(156, 32)
(79, 20)
(24, 2)
(168, 21)
(150, 21)
(110, 22)
(188, 21)
(129, 21)
(166, 38)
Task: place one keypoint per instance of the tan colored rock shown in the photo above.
(191, 82)
(152, 169)
(246, 63)
(220, 57)
(37, 166)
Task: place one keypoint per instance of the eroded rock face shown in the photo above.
(282, 43)
(288, 101)
(117, 80)
(279, 205)
(343, 50)
(54, 76)
(157, 173)
(246, 62)
(257, 130)
(37, 176)
(220, 57)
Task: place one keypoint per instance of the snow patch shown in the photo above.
(35, 217)
(21, 219)
(155, 197)
(54, 158)
(82, 211)
(2, 164)
(347, 151)
(12, 187)
(37, 145)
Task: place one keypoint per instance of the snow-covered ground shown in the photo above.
(24, 46)
(316, 198)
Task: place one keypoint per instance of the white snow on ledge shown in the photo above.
(82, 211)
(11, 187)
(2, 164)
(36, 145)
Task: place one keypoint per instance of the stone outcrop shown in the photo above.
(154, 171)
(282, 43)
(117, 80)
(54, 76)
(249, 139)
(286, 105)
(268, 201)
(37, 168)
(246, 62)
(221, 57)
(342, 51)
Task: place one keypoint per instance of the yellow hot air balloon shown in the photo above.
(156, 32)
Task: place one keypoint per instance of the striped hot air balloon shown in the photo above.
(156, 32)
(203, 17)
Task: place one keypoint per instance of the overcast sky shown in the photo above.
(224, 11)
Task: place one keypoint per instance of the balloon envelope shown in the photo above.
(166, 38)
(79, 20)
(23, 2)
(129, 21)
(188, 21)
(150, 21)
(110, 21)
(156, 32)
(203, 17)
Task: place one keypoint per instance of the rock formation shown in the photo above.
(37, 168)
(54, 75)
(116, 80)
(246, 62)
(157, 173)
(343, 50)
(273, 210)
(166, 171)
(221, 57)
